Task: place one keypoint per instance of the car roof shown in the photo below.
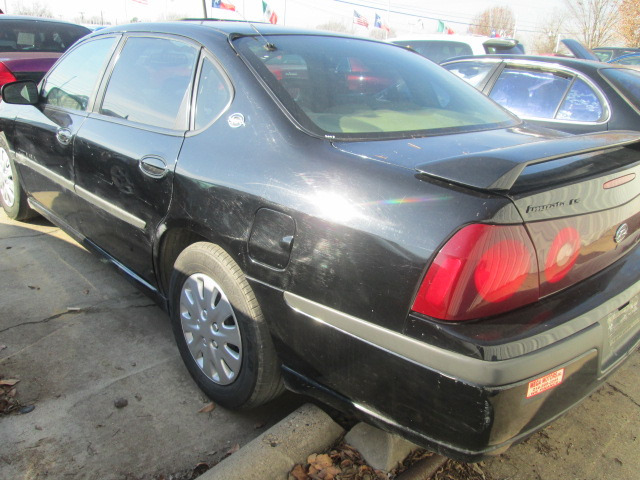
(578, 64)
(28, 18)
(192, 27)
(440, 37)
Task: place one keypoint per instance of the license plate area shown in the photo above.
(623, 326)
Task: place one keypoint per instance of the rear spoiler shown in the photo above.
(498, 170)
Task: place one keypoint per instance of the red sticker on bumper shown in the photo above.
(543, 384)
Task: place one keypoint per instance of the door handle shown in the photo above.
(64, 136)
(153, 166)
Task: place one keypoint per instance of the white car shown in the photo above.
(439, 47)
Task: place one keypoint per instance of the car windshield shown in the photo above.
(38, 36)
(359, 89)
(625, 80)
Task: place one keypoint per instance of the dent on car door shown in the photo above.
(126, 150)
(44, 134)
(554, 99)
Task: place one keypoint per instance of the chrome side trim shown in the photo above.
(110, 208)
(470, 370)
(54, 177)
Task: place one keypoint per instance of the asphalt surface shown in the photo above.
(79, 337)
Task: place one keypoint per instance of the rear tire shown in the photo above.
(12, 196)
(220, 331)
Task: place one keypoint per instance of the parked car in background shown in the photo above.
(606, 54)
(439, 47)
(343, 214)
(629, 59)
(568, 94)
(30, 45)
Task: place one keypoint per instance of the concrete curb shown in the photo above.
(274, 453)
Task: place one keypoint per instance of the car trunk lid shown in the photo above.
(578, 196)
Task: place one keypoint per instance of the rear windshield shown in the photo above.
(625, 80)
(37, 36)
(349, 88)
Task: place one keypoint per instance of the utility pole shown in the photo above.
(204, 8)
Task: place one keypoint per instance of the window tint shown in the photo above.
(150, 82)
(530, 93)
(471, 72)
(627, 81)
(632, 59)
(437, 50)
(213, 96)
(349, 88)
(71, 82)
(582, 104)
(38, 36)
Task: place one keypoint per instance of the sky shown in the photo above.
(403, 16)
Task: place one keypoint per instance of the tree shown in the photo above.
(35, 10)
(497, 20)
(334, 26)
(548, 41)
(595, 21)
(629, 29)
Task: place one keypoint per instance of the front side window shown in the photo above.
(529, 92)
(151, 82)
(358, 89)
(471, 72)
(71, 83)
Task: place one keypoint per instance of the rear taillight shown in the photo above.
(5, 75)
(562, 255)
(481, 271)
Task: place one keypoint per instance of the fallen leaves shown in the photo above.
(453, 470)
(341, 463)
(8, 392)
(210, 407)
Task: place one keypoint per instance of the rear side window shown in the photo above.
(72, 81)
(437, 50)
(38, 36)
(151, 82)
(531, 93)
(214, 94)
(627, 81)
(582, 104)
(472, 72)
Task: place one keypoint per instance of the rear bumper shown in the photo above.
(461, 395)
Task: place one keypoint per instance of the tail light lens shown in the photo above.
(485, 270)
(482, 270)
(5, 75)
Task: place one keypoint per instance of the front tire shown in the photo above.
(12, 196)
(220, 331)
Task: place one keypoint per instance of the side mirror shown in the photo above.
(24, 92)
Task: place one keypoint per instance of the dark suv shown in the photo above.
(341, 214)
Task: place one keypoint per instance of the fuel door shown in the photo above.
(271, 238)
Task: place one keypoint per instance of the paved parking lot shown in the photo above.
(79, 337)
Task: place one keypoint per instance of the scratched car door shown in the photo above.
(126, 151)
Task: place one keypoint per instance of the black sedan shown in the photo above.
(568, 94)
(312, 213)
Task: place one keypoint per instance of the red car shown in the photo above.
(30, 45)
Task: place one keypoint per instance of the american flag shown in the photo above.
(359, 19)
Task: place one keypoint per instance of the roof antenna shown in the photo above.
(267, 44)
